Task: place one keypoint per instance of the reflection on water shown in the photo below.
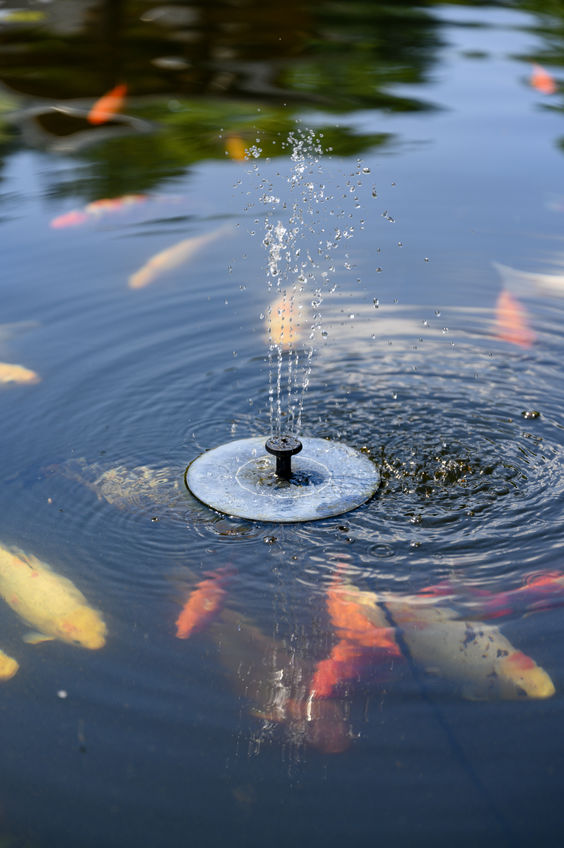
(392, 671)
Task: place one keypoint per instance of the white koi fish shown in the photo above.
(476, 657)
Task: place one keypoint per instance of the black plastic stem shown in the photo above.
(283, 448)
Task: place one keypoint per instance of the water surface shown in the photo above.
(428, 114)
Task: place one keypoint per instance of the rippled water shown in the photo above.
(455, 165)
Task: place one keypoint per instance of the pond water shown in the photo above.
(438, 354)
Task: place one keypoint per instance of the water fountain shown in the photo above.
(255, 478)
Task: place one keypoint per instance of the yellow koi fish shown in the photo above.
(10, 373)
(8, 666)
(171, 258)
(50, 603)
(476, 657)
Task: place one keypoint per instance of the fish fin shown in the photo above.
(35, 638)
(470, 694)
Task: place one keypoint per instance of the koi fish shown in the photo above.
(172, 257)
(512, 321)
(107, 106)
(8, 666)
(10, 373)
(236, 148)
(96, 209)
(204, 603)
(284, 321)
(275, 685)
(542, 80)
(361, 642)
(52, 604)
(474, 656)
(540, 592)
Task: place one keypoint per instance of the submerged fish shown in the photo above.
(362, 643)
(476, 657)
(541, 591)
(96, 209)
(52, 604)
(512, 322)
(172, 257)
(276, 685)
(125, 488)
(8, 666)
(204, 603)
(10, 373)
(236, 148)
(285, 320)
(542, 80)
(108, 105)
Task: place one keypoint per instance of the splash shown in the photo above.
(303, 228)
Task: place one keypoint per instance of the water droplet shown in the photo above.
(351, 315)
(376, 303)
(366, 170)
(437, 312)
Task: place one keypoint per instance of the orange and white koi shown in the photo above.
(541, 591)
(475, 657)
(203, 604)
(95, 210)
(172, 257)
(108, 105)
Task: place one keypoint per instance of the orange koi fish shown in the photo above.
(69, 219)
(96, 209)
(542, 80)
(512, 321)
(204, 603)
(361, 641)
(275, 685)
(107, 106)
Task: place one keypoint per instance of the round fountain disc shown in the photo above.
(328, 478)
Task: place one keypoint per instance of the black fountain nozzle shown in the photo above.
(283, 448)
